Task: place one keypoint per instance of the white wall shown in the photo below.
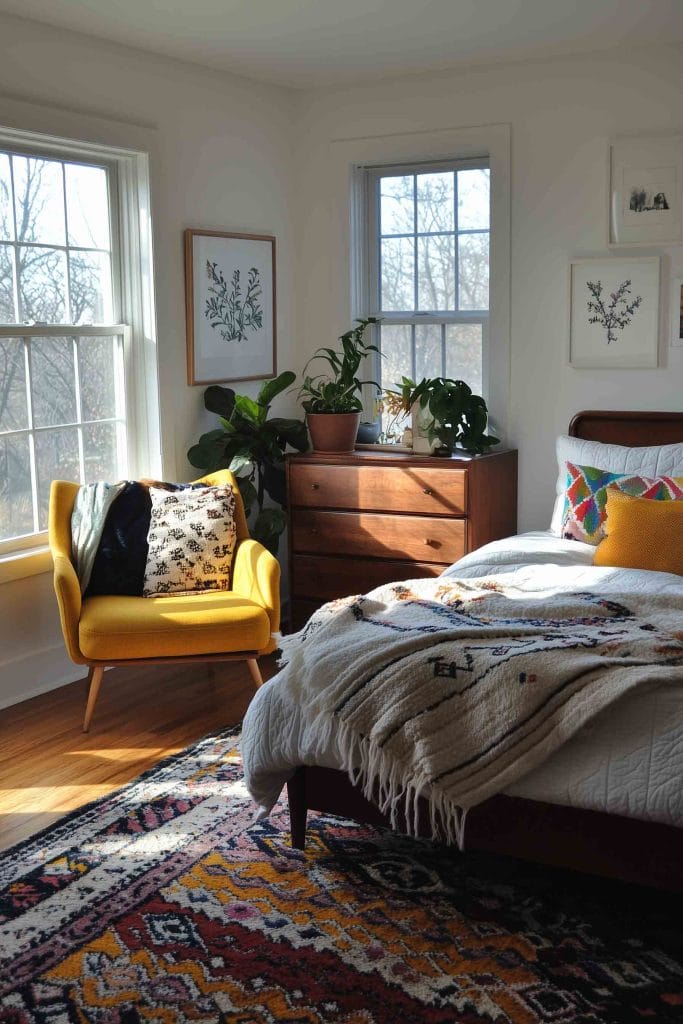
(561, 113)
(221, 158)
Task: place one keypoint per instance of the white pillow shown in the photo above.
(192, 536)
(656, 460)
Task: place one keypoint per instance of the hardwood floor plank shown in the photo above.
(49, 766)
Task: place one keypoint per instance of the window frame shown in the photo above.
(369, 264)
(132, 307)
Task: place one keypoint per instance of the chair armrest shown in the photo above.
(68, 591)
(256, 576)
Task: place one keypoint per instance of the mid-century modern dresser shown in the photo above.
(359, 520)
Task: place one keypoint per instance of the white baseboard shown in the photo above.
(36, 672)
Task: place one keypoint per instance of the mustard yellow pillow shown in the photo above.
(642, 534)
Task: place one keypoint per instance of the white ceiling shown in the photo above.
(314, 43)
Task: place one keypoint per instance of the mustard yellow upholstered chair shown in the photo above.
(208, 626)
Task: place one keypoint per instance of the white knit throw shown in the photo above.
(453, 689)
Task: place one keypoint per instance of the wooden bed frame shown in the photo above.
(624, 848)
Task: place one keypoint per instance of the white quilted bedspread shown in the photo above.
(628, 761)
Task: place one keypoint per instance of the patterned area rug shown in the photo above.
(166, 903)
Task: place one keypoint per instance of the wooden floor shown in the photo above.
(49, 766)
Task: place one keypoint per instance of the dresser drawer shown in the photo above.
(426, 490)
(414, 538)
(324, 578)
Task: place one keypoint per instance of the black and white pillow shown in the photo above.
(192, 537)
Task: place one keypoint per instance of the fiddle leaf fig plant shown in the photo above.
(252, 445)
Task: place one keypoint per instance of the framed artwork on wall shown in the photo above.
(229, 306)
(614, 312)
(677, 312)
(646, 191)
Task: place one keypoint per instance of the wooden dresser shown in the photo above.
(359, 520)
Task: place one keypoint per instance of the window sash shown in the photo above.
(370, 267)
(372, 284)
(60, 153)
(27, 332)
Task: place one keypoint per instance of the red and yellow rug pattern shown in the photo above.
(167, 903)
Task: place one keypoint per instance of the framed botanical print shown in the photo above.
(614, 312)
(677, 312)
(230, 306)
(646, 191)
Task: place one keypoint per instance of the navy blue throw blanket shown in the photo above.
(119, 566)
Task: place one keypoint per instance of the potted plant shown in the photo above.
(332, 400)
(447, 412)
(252, 446)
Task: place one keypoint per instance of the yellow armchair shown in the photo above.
(106, 631)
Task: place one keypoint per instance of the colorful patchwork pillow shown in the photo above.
(192, 537)
(586, 498)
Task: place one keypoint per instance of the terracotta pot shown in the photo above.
(333, 431)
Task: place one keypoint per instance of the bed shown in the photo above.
(609, 801)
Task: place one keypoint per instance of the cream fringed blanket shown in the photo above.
(453, 689)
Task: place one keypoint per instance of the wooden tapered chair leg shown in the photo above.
(95, 677)
(255, 672)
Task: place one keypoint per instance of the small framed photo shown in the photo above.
(614, 312)
(677, 312)
(645, 191)
(229, 306)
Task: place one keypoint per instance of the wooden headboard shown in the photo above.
(634, 429)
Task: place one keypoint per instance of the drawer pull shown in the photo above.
(428, 490)
(429, 542)
(315, 487)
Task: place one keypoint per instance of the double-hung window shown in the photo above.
(427, 263)
(62, 345)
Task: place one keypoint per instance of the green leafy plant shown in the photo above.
(252, 446)
(339, 390)
(459, 417)
(226, 311)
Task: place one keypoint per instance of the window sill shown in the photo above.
(20, 564)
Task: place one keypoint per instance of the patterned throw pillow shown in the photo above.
(192, 537)
(586, 498)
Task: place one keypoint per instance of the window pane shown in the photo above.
(6, 218)
(397, 360)
(16, 501)
(87, 206)
(7, 311)
(436, 276)
(13, 411)
(474, 271)
(428, 351)
(39, 200)
(90, 287)
(97, 375)
(398, 274)
(42, 285)
(464, 354)
(474, 199)
(397, 207)
(100, 454)
(435, 202)
(53, 381)
(56, 459)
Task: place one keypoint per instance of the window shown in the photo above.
(62, 347)
(428, 270)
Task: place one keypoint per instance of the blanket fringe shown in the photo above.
(396, 791)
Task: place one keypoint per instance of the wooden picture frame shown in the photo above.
(230, 306)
